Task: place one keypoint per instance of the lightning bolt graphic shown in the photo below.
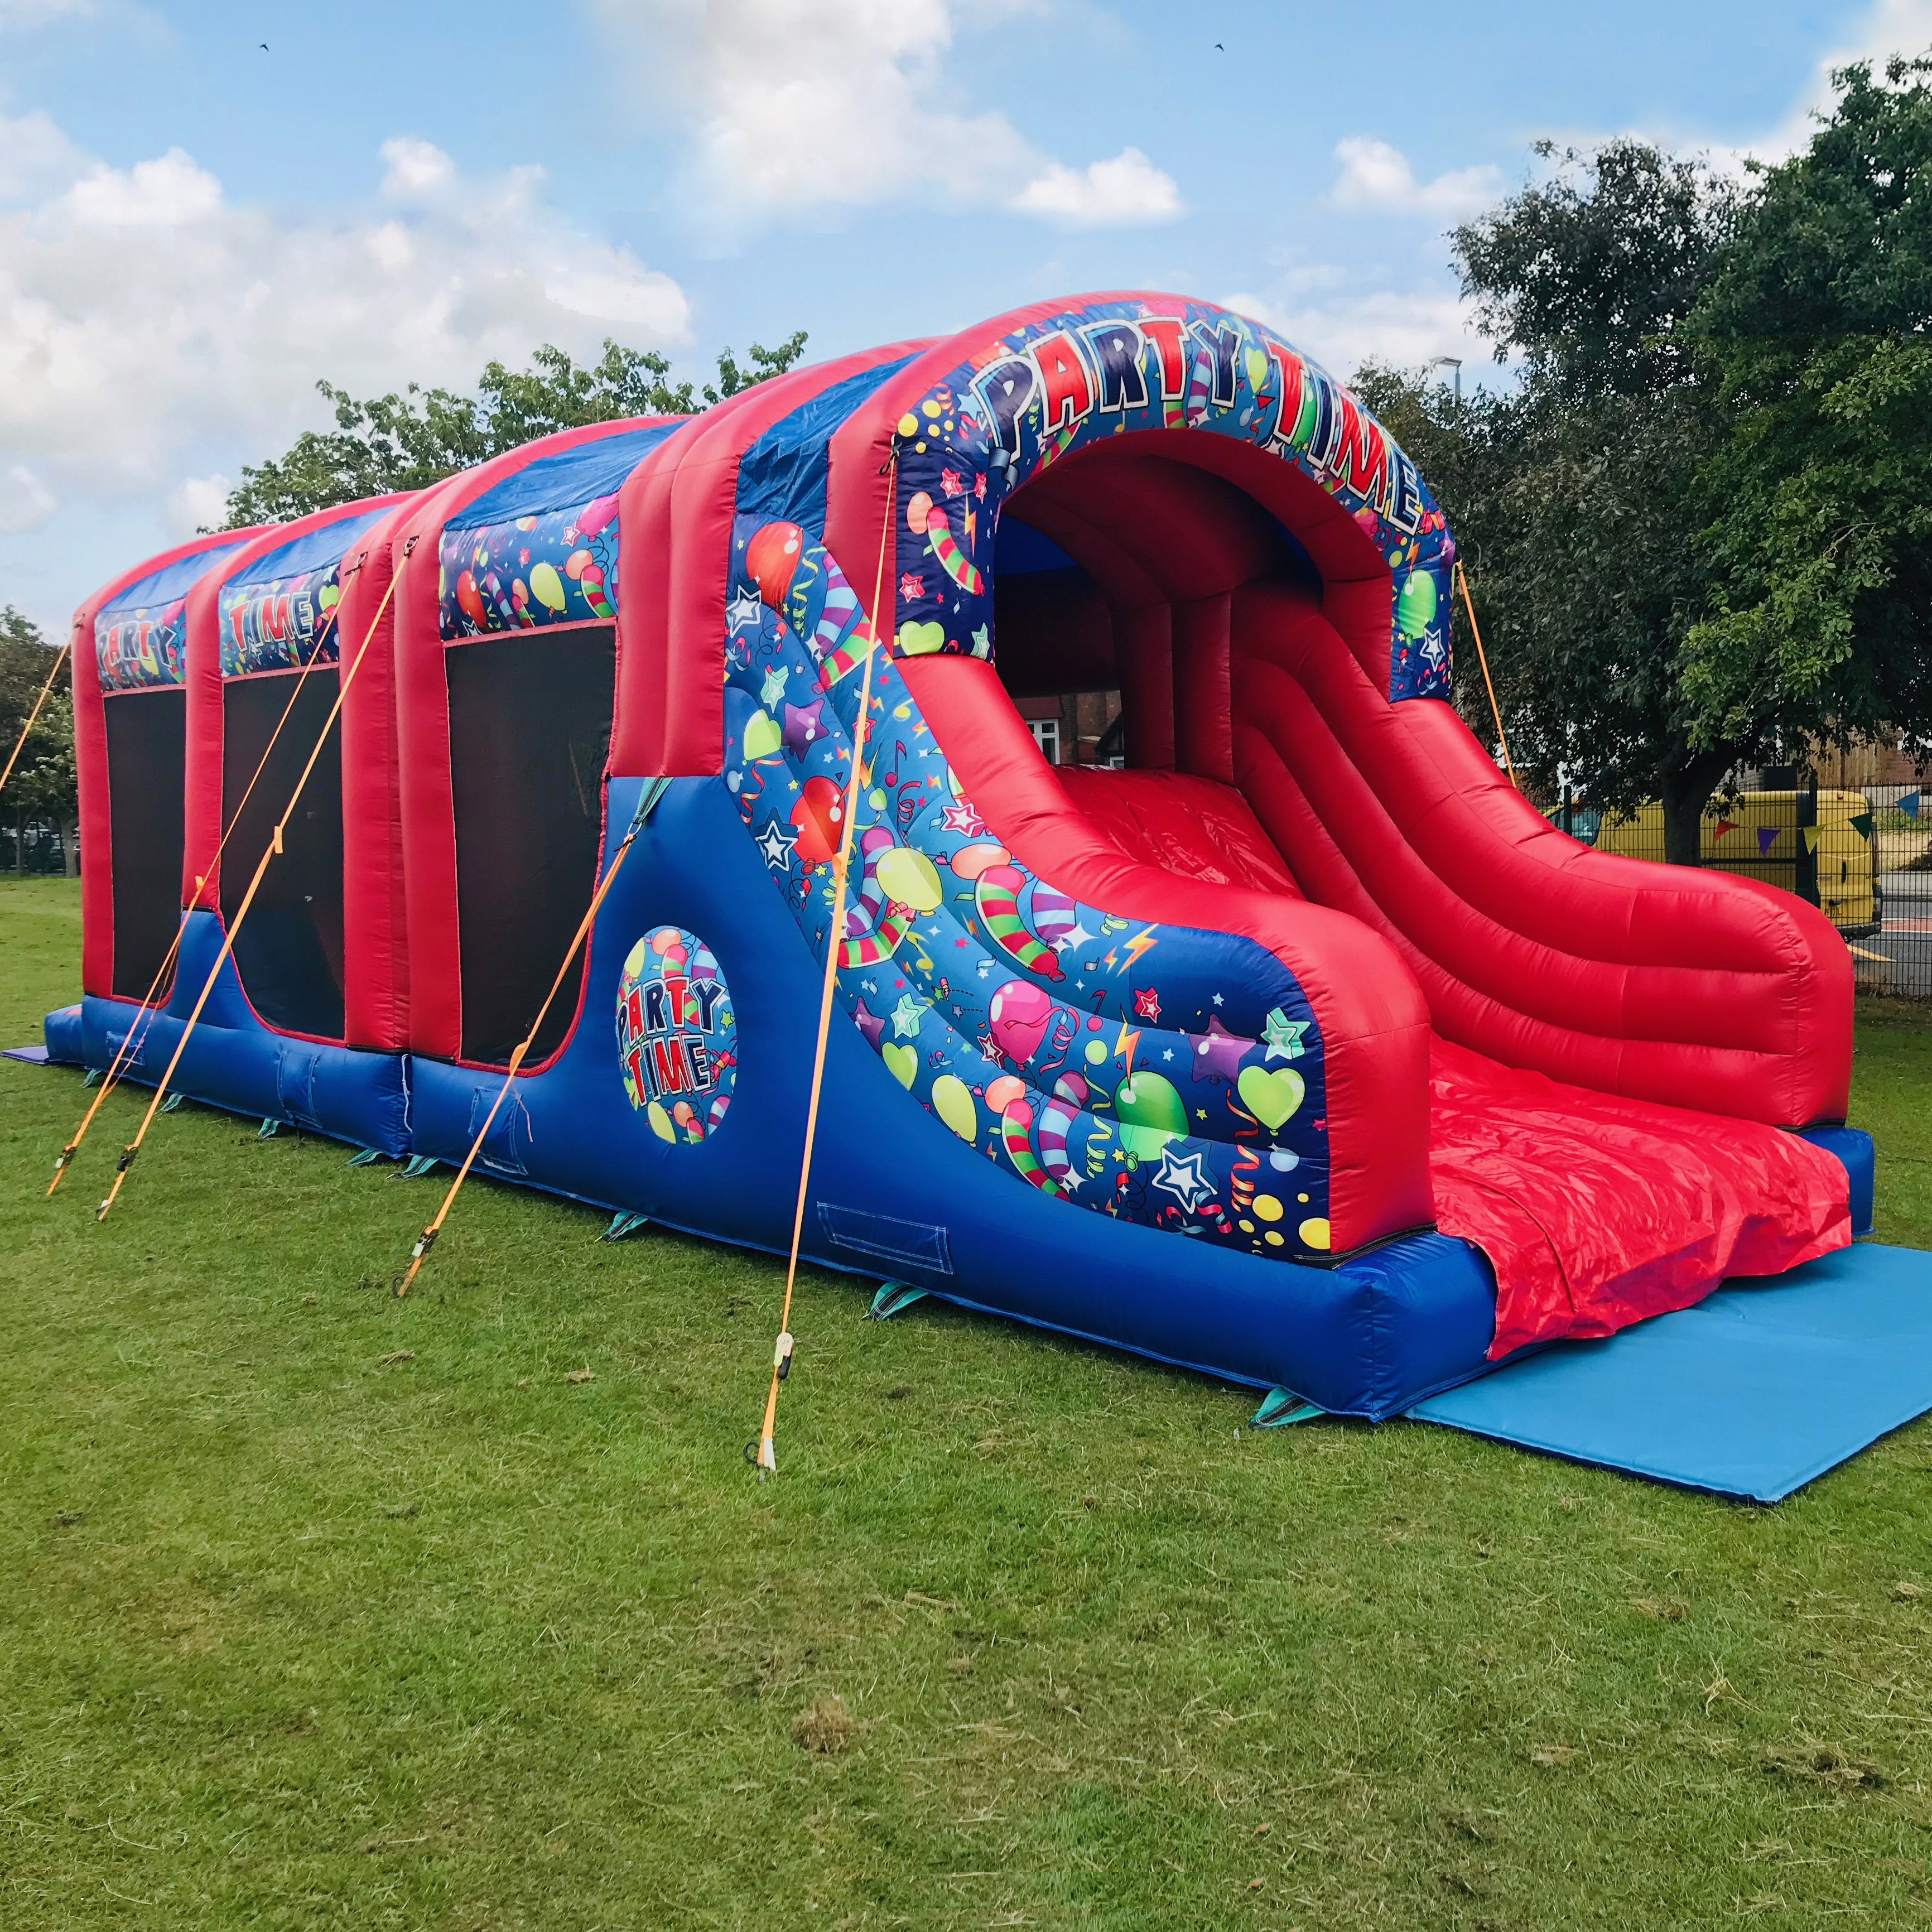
(1142, 943)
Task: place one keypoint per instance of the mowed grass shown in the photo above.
(323, 1610)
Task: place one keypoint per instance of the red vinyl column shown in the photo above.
(375, 902)
(674, 519)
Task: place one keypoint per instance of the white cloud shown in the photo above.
(168, 192)
(26, 502)
(1376, 176)
(150, 326)
(14, 13)
(1342, 331)
(33, 154)
(800, 104)
(1887, 27)
(198, 503)
(1128, 191)
(417, 170)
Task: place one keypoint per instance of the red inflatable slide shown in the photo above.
(1587, 1066)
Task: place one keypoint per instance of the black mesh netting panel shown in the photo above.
(529, 727)
(289, 950)
(147, 755)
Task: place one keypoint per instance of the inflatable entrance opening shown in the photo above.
(133, 653)
(529, 731)
(1300, 1048)
(147, 748)
(260, 702)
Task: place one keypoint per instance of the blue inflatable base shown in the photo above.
(236, 1062)
(64, 1030)
(1752, 1393)
(1852, 1147)
(895, 1194)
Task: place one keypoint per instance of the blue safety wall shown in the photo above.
(234, 1062)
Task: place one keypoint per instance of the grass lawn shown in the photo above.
(322, 1609)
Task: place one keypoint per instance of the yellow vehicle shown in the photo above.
(1758, 836)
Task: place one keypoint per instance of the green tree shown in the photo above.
(1820, 328)
(1572, 496)
(409, 440)
(43, 787)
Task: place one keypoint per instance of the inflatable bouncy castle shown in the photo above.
(1294, 1046)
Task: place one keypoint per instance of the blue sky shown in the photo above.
(192, 229)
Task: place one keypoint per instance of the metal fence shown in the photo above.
(34, 847)
(1864, 857)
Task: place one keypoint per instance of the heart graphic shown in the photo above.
(762, 736)
(1271, 1097)
(919, 641)
(903, 1064)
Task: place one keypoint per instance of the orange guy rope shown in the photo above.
(137, 1030)
(275, 845)
(20, 744)
(653, 791)
(1496, 710)
(767, 1458)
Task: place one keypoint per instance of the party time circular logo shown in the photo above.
(677, 1036)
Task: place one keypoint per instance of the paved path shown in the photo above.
(1905, 943)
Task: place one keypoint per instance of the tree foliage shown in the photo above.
(44, 784)
(409, 440)
(1819, 328)
(1572, 495)
(1699, 529)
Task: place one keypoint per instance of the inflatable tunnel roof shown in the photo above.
(968, 423)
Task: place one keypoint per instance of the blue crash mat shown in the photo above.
(1752, 1392)
(34, 1056)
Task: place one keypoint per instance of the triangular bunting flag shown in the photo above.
(1862, 823)
(1909, 805)
(1725, 825)
(1767, 837)
(1810, 838)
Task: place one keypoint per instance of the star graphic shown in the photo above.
(776, 842)
(744, 612)
(1283, 1035)
(1186, 1180)
(906, 1016)
(1147, 1004)
(1077, 935)
(773, 688)
(1217, 1052)
(1218, 1001)
(961, 817)
(802, 724)
(869, 1024)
